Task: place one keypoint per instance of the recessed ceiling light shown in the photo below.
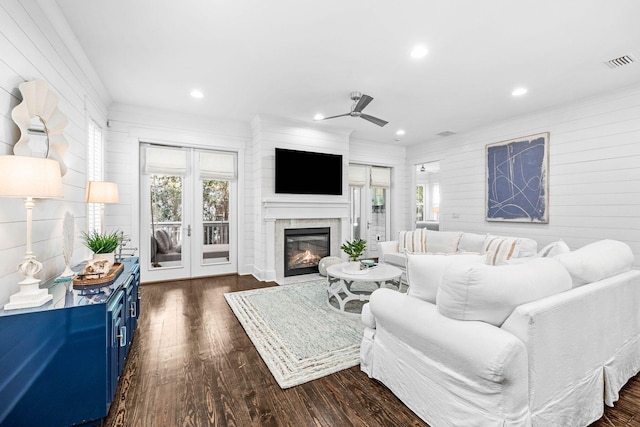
(400, 132)
(318, 117)
(419, 51)
(519, 91)
(197, 94)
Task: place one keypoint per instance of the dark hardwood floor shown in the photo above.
(191, 364)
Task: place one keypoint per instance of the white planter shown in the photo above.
(352, 267)
(110, 257)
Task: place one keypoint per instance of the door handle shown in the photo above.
(189, 230)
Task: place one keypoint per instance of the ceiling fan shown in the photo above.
(360, 101)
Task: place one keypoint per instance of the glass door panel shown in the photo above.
(378, 221)
(355, 198)
(166, 196)
(215, 215)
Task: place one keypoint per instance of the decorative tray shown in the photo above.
(80, 282)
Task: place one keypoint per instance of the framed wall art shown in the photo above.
(518, 179)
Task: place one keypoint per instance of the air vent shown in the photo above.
(446, 133)
(621, 61)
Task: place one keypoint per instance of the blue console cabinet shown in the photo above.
(60, 363)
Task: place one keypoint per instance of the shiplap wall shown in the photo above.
(129, 125)
(594, 172)
(30, 48)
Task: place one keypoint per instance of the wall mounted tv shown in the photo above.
(305, 172)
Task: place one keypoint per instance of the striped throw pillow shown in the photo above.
(412, 241)
(502, 249)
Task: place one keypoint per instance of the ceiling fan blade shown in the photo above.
(362, 102)
(375, 120)
(333, 117)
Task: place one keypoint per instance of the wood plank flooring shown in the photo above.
(191, 364)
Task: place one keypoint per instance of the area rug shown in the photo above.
(296, 333)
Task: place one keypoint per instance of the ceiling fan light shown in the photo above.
(197, 94)
(318, 117)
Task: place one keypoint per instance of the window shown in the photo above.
(420, 202)
(95, 170)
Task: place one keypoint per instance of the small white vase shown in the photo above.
(109, 257)
(353, 266)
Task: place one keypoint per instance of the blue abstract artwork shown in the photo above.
(517, 180)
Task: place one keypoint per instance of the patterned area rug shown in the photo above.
(296, 333)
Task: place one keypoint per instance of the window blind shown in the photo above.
(380, 177)
(217, 165)
(357, 175)
(164, 160)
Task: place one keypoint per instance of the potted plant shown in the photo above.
(103, 245)
(354, 250)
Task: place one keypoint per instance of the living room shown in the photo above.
(593, 171)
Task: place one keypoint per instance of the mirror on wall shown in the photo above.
(41, 124)
(427, 194)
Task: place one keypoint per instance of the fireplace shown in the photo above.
(304, 248)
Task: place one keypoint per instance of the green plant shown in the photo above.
(101, 243)
(354, 249)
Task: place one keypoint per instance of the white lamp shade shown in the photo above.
(101, 192)
(22, 176)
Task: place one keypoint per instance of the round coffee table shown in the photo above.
(342, 296)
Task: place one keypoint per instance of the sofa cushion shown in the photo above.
(442, 241)
(471, 242)
(490, 293)
(412, 241)
(163, 241)
(502, 249)
(424, 271)
(553, 249)
(527, 247)
(396, 259)
(597, 261)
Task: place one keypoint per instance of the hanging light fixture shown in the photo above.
(422, 168)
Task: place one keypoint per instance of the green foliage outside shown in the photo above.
(166, 193)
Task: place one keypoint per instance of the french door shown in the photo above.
(369, 197)
(188, 225)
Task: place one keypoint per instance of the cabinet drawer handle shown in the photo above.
(123, 336)
(133, 309)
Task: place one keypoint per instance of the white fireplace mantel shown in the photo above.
(304, 209)
(304, 213)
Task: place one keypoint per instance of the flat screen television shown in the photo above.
(305, 172)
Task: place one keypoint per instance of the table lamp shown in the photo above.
(101, 192)
(29, 178)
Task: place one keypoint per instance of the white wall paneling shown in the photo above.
(594, 172)
(32, 48)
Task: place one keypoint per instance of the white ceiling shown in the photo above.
(295, 58)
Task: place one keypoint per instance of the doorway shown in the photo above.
(188, 212)
(369, 195)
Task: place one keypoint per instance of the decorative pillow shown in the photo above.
(490, 293)
(553, 249)
(502, 249)
(412, 241)
(471, 242)
(442, 241)
(597, 261)
(424, 271)
(163, 240)
(526, 247)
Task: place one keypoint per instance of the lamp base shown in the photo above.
(30, 295)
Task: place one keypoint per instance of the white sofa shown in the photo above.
(545, 342)
(427, 241)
